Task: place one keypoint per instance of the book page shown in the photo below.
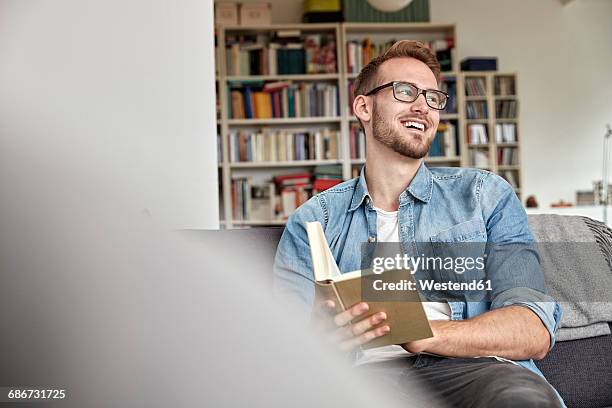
(323, 263)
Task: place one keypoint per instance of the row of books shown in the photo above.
(445, 142)
(476, 110)
(477, 134)
(283, 100)
(282, 145)
(504, 86)
(278, 199)
(360, 52)
(506, 109)
(290, 53)
(505, 133)
(507, 156)
(475, 86)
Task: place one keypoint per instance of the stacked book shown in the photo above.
(283, 100)
(360, 52)
(505, 132)
(477, 110)
(477, 134)
(475, 86)
(445, 141)
(293, 190)
(267, 145)
(326, 177)
(286, 54)
(505, 109)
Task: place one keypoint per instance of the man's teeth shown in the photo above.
(417, 125)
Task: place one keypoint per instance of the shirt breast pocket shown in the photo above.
(459, 253)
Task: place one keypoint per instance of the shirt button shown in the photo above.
(371, 239)
(367, 200)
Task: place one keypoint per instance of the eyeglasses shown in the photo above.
(407, 92)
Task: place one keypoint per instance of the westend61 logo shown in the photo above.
(458, 265)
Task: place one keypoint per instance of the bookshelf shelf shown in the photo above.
(295, 163)
(506, 120)
(476, 98)
(305, 77)
(477, 121)
(282, 121)
(478, 145)
(507, 145)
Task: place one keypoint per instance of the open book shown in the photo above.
(405, 315)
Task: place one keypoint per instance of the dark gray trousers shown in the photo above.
(464, 382)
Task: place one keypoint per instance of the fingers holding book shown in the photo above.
(345, 334)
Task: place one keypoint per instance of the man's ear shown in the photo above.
(361, 108)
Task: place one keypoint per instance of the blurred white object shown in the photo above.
(389, 5)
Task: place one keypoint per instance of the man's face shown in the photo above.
(390, 117)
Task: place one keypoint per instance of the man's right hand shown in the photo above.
(346, 335)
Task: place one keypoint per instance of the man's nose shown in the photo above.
(420, 105)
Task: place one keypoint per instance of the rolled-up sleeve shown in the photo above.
(513, 263)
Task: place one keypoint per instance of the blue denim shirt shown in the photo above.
(439, 205)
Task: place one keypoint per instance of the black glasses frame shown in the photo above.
(419, 92)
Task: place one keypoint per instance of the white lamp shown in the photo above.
(389, 5)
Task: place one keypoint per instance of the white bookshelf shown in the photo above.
(491, 99)
(344, 32)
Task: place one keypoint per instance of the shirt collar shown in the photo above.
(420, 188)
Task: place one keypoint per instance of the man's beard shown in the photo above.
(399, 143)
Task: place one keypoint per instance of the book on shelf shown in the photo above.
(444, 143)
(281, 54)
(293, 190)
(505, 133)
(280, 145)
(507, 156)
(506, 108)
(449, 85)
(479, 157)
(509, 176)
(360, 52)
(282, 100)
(475, 86)
(252, 202)
(504, 86)
(477, 133)
(405, 313)
(476, 109)
(357, 141)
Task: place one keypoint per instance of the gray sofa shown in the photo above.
(580, 369)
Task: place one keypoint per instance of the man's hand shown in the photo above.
(339, 328)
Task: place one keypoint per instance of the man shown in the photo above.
(398, 199)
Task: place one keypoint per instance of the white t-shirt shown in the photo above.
(387, 230)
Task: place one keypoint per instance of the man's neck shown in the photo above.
(388, 174)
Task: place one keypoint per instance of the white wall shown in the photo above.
(563, 55)
(109, 105)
